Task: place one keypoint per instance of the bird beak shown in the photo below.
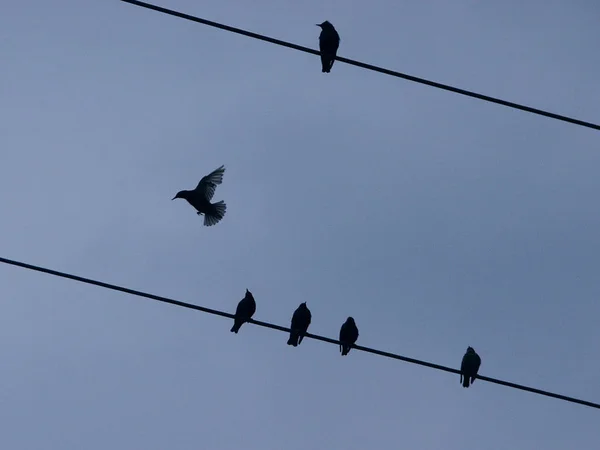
(174, 198)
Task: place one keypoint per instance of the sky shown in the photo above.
(437, 221)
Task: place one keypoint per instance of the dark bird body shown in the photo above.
(469, 367)
(300, 322)
(244, 312)
(329, 41)
(200, 197)
(348, 335)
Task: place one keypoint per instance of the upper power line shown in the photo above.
(367, 66)
(287, 330)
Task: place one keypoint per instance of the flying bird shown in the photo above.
(469, 367)
(300, 322)
(244, 312)
(200, 197)
(348, 335)
(329, 41)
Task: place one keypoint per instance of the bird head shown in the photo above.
(180, 194)
(249, 294)
(324, 25)
(350, 320)
(470, 350)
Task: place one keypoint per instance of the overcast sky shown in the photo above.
(435, 220)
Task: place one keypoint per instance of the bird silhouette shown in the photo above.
(348, 335)
(200, 197)
(244, 312)
(469, 367)
(329, 41)
(300, 322)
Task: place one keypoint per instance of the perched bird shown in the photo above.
(469, 367)
(244, 312)
(348, 335)
(200, 197)
(329, 41)
(300, 322)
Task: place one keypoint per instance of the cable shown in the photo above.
(287, 330)
(366, 66)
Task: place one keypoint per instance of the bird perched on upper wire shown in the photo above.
(329, 41)
(300, 322)
(200, 197)
(244, 312)
(469, 367)
(348, 335)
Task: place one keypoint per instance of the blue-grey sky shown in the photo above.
(435, 220)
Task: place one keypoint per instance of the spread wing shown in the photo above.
(209, 183)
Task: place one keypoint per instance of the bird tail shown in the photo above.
(237, 324)
(217, 213)
(345, 350)
(325, 63)
(465, 380)
(293, 340)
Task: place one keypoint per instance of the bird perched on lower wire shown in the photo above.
(329, 41)
(469, 367)
(348, 335)
(200, 197)
(244, 312)
(300, 322)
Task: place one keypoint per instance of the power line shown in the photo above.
(287, 330)
(365, 65)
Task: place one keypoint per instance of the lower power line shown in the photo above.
(287, 330)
